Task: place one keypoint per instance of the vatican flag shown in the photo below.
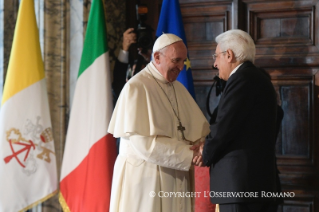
(28, 172)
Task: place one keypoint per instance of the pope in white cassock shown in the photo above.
(158, 121)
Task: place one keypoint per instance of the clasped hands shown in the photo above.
(197, 154)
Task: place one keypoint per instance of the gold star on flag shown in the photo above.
(187, 63)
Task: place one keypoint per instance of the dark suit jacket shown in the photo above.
(240, 149)
(119, 79)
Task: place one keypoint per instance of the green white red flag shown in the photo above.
(90, 152)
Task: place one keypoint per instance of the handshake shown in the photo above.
(197, 154)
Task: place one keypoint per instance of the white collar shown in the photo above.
(153, 66)
(235, 69)
(157, 74)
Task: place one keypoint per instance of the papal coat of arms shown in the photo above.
(34, 144)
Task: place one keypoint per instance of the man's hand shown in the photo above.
(197, 153)
(128, 38)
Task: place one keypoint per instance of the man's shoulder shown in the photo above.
(181, 88)
(248, 71)
(252, 77)
(246, 77)
(246, 68)
(139, 78)
(138, 81)
(179, 85)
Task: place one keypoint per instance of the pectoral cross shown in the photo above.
(181, 128)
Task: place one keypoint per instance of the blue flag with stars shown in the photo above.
(170, 21)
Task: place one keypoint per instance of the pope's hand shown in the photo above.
(197, 154)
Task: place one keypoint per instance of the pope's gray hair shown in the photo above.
(239, 42)
(162, 50)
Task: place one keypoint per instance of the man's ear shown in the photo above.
(230, 56)
(157, 57)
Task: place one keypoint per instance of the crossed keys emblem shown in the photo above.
(28, 145)
(24, 154)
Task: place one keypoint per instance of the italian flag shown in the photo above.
(28, 174)
(90, 152)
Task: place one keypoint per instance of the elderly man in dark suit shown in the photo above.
(240, 149)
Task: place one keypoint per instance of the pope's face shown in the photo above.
(171, 61)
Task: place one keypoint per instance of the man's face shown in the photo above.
(222, 63)
(171, 61)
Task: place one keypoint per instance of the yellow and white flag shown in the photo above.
(28, 172)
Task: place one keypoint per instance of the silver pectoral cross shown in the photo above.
(181, 128)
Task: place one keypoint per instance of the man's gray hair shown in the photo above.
(162, 50)
(239, 42)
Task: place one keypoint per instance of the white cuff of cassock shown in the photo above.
(163, 151)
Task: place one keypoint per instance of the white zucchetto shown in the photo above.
(165, 40)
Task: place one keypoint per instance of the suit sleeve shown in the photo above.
(234, 107)
(163, 151)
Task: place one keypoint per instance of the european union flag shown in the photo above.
(170, 21)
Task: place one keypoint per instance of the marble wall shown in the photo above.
(56, 59)
(62, 25)
(8, 17)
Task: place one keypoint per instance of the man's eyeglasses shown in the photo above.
(216, 55)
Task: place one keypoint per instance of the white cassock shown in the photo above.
(154, 160)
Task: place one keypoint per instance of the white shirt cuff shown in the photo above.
(123, 56)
